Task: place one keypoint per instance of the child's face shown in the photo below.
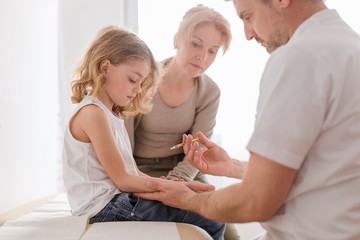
(124, 81)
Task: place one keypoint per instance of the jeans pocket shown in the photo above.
(136, 204)
(102, 216)
(120, 208)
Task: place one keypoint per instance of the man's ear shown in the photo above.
(104, 66)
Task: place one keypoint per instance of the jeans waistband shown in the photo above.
(163, 161)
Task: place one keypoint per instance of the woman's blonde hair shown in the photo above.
(118, 46)
(203, 15)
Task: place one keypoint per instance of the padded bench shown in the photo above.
(50, 218)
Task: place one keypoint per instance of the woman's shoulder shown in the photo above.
(208, 92)
(206, 84)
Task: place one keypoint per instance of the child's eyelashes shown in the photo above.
(132, 81)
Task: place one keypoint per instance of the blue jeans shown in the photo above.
(127, 207)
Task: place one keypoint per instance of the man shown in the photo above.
(302, 180)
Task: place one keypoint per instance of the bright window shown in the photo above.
(237, 73)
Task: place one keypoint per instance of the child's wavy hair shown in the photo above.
(118, 46)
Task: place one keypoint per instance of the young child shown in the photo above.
(117, 78)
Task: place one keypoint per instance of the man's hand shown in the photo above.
(207, 156)
(197, 186)
(171, 193)
(174, 193)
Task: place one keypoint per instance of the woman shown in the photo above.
(186, 102)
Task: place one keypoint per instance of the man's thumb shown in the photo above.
(205, 141)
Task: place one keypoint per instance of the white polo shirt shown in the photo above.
(308, 118)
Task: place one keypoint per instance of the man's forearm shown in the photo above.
(238, 170)
(229, 204)
(263, 190)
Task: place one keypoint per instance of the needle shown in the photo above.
(182, 144)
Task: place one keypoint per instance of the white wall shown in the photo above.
(237, 73)
(28, 100)
(79, 21)
(41, 42)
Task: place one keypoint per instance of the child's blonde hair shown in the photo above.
(204, 15)
(118, 46)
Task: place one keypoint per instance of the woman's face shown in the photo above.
(195, 54)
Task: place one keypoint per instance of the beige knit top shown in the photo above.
(153, 134)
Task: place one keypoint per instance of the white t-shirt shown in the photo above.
(308, 118)
(88, 186)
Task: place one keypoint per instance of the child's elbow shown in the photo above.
(124, 184)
